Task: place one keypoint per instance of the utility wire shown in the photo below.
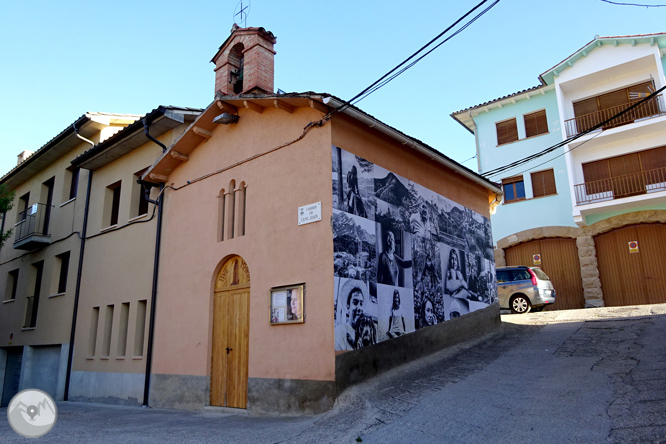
(559, 155)
(367, 91)
(633, 4)
(393, 74)
(569, 140)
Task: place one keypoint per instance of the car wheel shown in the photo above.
(537, 309)
(520, 304)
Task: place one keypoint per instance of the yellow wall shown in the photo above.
(55, 310)
(118, 265)
(277, 251)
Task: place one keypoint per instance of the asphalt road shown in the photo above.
(575, 376)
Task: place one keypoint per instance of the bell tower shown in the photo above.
(244, 64)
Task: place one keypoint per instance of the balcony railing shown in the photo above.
(651, 108)
(32, 227)
(621, 186)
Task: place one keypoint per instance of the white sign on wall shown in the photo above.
(309, 213)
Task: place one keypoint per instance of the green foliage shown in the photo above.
(6, 204)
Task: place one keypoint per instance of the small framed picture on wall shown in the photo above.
(286, 305)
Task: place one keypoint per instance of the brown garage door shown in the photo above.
(559, 259)
(633, 278)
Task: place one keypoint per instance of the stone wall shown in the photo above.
(587, 252)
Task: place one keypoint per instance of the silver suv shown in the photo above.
(523, 289)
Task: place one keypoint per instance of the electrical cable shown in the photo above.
(633, 4)
(559, 155)
(531, 157)
(376, 85)
(382, 81)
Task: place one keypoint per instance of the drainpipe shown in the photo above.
(77, 293)
(2, 228)
(146, 130)
(156, 264)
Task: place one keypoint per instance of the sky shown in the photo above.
(59, 60)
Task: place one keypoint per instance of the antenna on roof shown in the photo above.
(241, 12)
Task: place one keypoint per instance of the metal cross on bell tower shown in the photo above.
(241, 12)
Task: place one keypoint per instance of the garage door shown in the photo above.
(633, 276)
(10, 384)
(559, 259)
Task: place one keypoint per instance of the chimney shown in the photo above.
(244, 62)
(23, 156)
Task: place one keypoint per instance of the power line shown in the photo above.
(559, 155)
(569, 140)
(633, 4)
(386, 78)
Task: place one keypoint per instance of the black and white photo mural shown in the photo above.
(404, 256)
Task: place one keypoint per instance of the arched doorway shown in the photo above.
(231, 327)
(633, 274)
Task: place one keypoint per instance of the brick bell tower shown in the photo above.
(244, 64)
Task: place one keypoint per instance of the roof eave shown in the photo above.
(25, 170)
(160, 120)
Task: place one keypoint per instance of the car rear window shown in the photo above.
(540, 274)
(520, 275)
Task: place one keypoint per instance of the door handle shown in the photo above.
(229, 349)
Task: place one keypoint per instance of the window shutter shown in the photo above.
(653, 159)
(543, 183)
(536, 123)
(507, 131)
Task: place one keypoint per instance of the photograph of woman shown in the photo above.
(396, 320)
(294, 297)
(389, 263)
(354, 201)
(455, 283)
(428, 317)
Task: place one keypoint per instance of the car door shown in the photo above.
(503, 279)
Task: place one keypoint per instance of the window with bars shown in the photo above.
(543, 183)
(536, 123)
(507, 131)
(514, 189)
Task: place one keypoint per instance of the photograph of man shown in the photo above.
(389, 262)
(352, 299)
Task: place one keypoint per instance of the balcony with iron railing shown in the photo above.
(32, 228)
(650, 108)
(620, 187)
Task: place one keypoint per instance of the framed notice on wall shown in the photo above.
(286, 305)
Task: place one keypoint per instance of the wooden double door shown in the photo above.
(231, 327)
(559, 260)
(633, 276)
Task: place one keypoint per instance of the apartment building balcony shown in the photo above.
(621, 187)
(654, 107)
(32, 228)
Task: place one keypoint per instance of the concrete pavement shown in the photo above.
(580, 376)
